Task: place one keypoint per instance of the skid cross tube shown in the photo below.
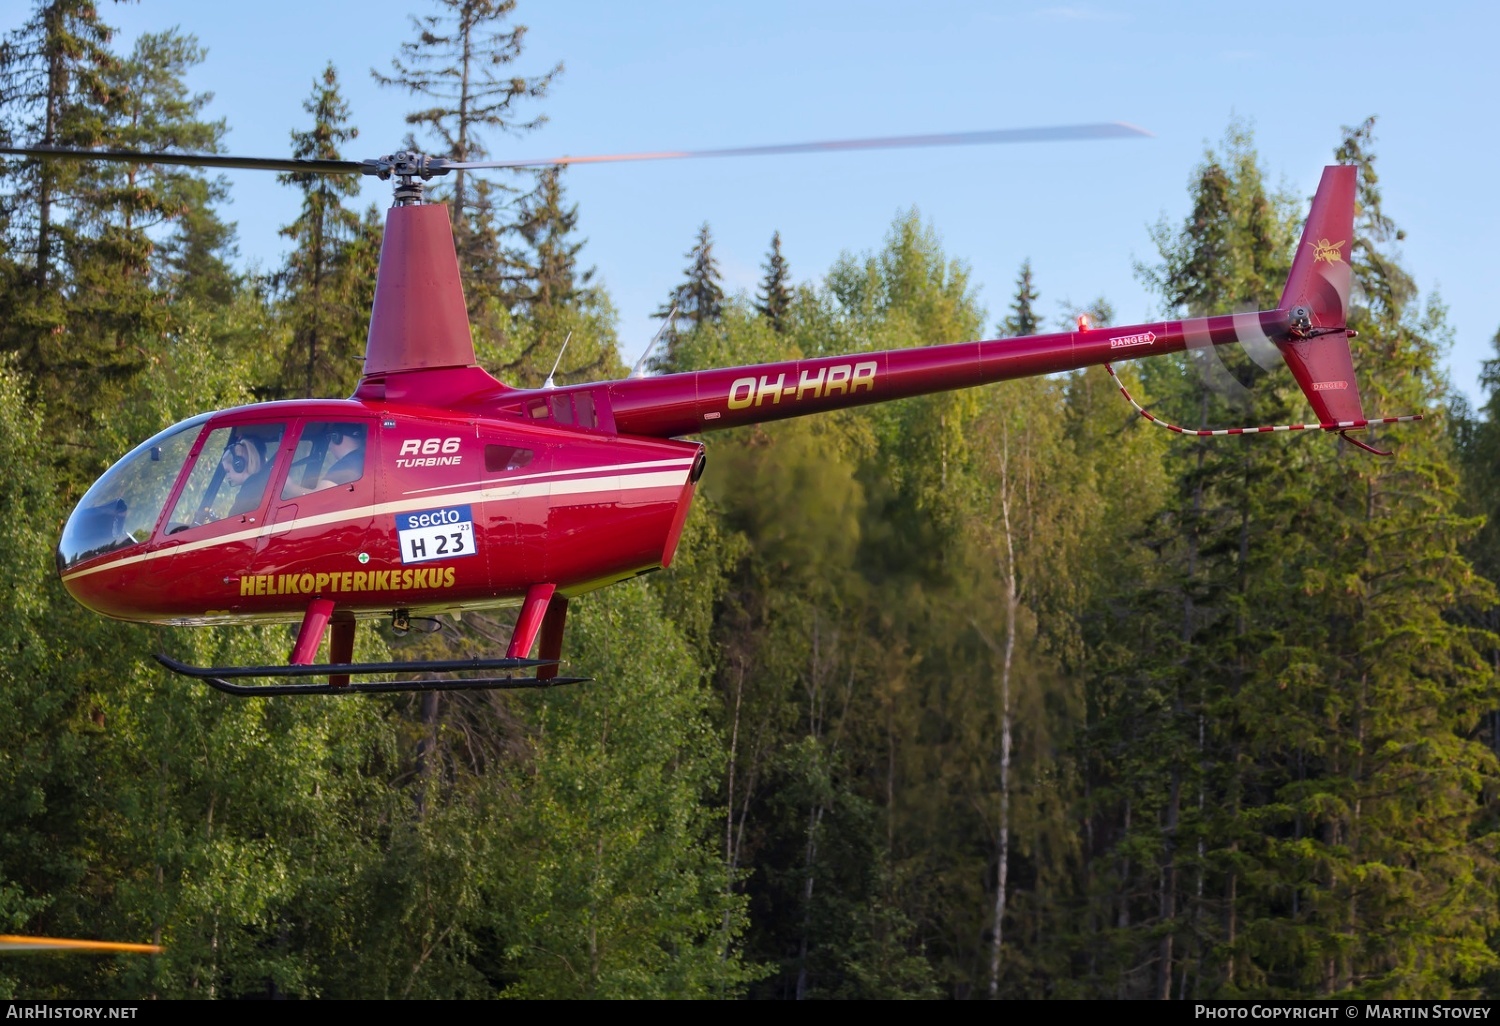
(320, 669)
(219, 677)
(385, 687)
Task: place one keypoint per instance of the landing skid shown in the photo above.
(218, 677)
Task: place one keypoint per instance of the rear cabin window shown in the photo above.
(567, 409)
(500, 458)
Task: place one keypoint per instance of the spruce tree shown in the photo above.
(1478, 436)
(1023, 319)
(1404, 684)
(698, 301)
(460, 64)
(1176, 649)
(87, 310)
(53, 92)
(774, 299)
(130, 206)
(542, 273)
(1285, 793)
(318, 287)
(158, 113)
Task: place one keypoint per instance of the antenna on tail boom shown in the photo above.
(549, 383)
(639, 370)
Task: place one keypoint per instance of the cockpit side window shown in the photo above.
(229, 479)
(328, 454)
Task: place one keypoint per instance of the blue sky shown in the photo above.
(668, 74)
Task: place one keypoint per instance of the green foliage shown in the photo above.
(620, 892)
(84, 295)
(544, 270)
(1282, 776)
(547, 301)
(54, 93)
(156, 113)
(522, 351)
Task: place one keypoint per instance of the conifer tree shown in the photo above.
(87, 313)
(158, 113)
(1160, 675)
(196, 260)
(698, 301)
(552, 301)
(53, 92)
(1282, 727)
(319, 288)
(542, 273)
(1478, 436)
(1023, 319)
(123, 208)
(460, 64)
(774, 300)
(1408, 685)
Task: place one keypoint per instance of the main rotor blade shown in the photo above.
(429, 167)
(321, 167)
(14, 943)
(1057, 133)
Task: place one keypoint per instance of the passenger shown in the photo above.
(346, 446)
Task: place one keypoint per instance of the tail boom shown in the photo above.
(680, 404)
(1310, 328)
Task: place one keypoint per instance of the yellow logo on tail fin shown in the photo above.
(1329, 251)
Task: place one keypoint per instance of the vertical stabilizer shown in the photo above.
(1316, 302)
(419, 320)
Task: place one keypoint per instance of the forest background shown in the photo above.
(994, 693)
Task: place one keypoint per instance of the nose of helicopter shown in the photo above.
(91, 588)
(97, 558)
(101, 543)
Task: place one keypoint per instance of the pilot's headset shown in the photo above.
(239, 452)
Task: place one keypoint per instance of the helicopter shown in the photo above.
(435, 488)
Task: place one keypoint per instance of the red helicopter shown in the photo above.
(435, 488)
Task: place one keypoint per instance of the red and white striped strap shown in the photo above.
(1338, 425)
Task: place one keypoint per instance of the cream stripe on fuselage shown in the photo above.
(560, 473)
(620, 478)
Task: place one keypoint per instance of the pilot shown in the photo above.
(245, 465)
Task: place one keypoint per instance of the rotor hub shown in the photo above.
(410, 169)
